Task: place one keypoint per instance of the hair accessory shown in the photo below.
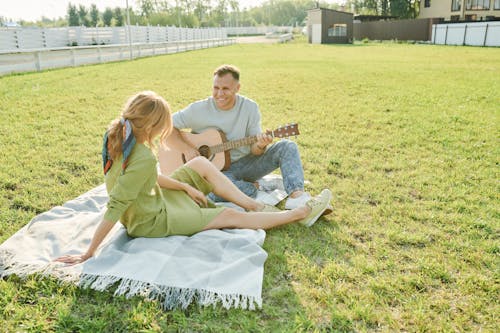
(128, 144)
(128, 141)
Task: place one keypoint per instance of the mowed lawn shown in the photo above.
(405, 136)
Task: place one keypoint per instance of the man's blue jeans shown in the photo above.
(283, 154)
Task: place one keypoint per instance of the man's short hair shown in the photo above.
(228, 69)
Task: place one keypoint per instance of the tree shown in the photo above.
(385, 7)
(83, 15)
(147, 7)
(94, 15)
(118, 15)
(220, 13)
(107, 17)
(235, 11)
(397, 8)
(73, 18)
(201, 10)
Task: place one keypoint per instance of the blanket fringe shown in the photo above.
(170, 297)
(9, 266)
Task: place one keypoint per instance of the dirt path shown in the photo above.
(256, 39)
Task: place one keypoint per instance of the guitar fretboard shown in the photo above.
(232, 144)
(281, 132)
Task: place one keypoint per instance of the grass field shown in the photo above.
(406, 137)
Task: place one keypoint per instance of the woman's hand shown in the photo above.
(73, 259)
(196, 195)
(173, 184)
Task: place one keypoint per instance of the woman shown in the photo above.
(152, 205)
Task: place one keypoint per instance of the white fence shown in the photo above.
(40, 59)
(474, 34)
(257, 30)
(36, 38)
(37, 49)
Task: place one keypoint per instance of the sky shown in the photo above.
(32, 10)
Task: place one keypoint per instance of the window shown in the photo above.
(477, 4)
(337, 30)
(427, 3)
(497, 4)
(455, 5)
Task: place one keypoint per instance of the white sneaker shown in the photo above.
(299, 201)
(328, 210)
(319, 205)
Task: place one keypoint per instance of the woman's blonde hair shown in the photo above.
(149, 115)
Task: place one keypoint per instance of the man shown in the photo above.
(238, 117)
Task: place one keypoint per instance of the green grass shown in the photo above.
(406, 137)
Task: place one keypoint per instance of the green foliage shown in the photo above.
(73, 19)
(94, 15)
(406, 137)
(83, 16)
(118, 15)
(107, 17)
(397, 8)
(206, 13)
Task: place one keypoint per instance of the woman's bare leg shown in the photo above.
(230, 218)
(223, 187)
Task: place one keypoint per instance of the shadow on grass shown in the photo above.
(288, 281)
(94, 311)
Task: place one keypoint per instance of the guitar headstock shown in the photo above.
(286, 131)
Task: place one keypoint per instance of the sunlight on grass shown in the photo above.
(405, 136)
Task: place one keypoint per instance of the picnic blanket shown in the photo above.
(213, 266)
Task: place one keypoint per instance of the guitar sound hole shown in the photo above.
(204, 151)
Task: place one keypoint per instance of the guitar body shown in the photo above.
(213, 145)
(171, 159)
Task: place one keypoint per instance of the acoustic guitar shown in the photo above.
(213, 145)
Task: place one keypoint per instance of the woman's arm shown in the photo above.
(102, 230)
(173, 184)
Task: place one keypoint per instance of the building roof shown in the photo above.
(330, 10)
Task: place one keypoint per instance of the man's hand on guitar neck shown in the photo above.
(263, 140)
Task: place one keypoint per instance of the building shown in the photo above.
(326, 26)
(460, 10)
